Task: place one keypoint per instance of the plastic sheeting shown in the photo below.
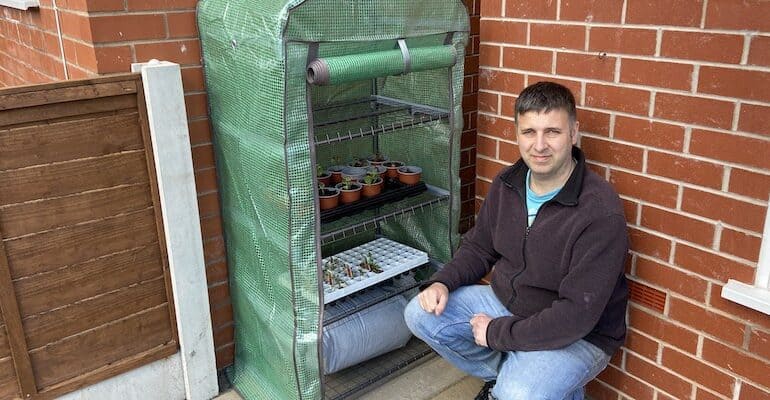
(265, 122)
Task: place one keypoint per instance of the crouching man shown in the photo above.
(555, 234)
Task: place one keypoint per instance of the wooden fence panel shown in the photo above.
(85, 289)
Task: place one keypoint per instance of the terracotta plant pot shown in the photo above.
(325, 178)
(372, 189)
(336, 171)
(359, 163)
(328, 197)
(409, 175)
(392, 168)
(377, 159)
(382, 171)
(351, 195)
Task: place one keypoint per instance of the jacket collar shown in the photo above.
(516, 177)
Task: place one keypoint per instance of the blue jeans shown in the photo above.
(548, 374)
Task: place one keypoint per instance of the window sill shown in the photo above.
(753, 297)
(20, 4)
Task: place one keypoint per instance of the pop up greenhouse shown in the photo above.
(299, 86)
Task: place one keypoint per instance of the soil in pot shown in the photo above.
(359, 163)
(350, 191)
(392, 168)
(371, 185)
(329, 197)
(377, 159)
(409, 175)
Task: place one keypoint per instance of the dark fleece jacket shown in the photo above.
(563, 278)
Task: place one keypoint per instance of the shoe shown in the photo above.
(484, 393)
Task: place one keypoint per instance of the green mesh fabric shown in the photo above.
(255, 57)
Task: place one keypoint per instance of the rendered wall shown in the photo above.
(673, 104)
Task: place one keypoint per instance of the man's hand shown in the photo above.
(434, 298)
(479, 324)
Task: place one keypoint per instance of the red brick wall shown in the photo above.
(470, 117)
(674, 98)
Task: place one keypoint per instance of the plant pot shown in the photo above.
(409, 175)
(377, 159)
(381, 170)
(392, 168)
(351, 195)
(358, 163)
(336, 171)
(354, 173)
(372, 189)
(325, 178)
(328, 198)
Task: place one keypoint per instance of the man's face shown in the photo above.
(545, 142)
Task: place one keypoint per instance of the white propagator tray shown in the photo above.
(392, 257)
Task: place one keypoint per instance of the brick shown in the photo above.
(471, 65)
(661, 329)
(500, 81)
(649, 133)
(223, 336)
(702, 46)
(617, 98)
(598, 169)
(725, 209)
(622, 40)
(216, 272)
(695, 110)
(594, 122)
(739, 362)
(600, 391)
(86, 56)
(527, 59)
(488, 102)
(75, 26)
(192, 79)
(200, 131)
(221, 315)
(753, 118)
(740, 244)
(731, 82)
(489, 55)
(656, 73)
(700, 319)
(573, 86)
(702, 394)
(475, 23)
(206, 181)
(203, 157)
(684, 169)
(613, 153)
(118, 28)
(759, 343)
(626, 383)
(488, 168)
(508, 152)
(681, 226)
(732, 148)
(591, 10)
(630, 209)
(652, 373)
(105, 5)
(196, 105)
(759, 51)
(644, 188)
(697, 371)
(503, 32)
(739, 15)
(498, 127)
(664, 12)
(749, 183)
(491, 8)
(182, 25)
(113, 59)
(530, 10)
(641, 344)
(507, 106)
(469, 101)
(658, 274)
(585, 66)
(557, 36)
(711, 265)
(183, 52)
(751, 392)
(486, 146)
(144, 5)
(751, 316)
(648, 244)
(482, 187)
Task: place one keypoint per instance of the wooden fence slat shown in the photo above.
(15, 330)
(71, 177)
(9, 387)
(50, 290)
(54, 249)
(69, 140)
(27, 218)
(79, 354)
(76, 318)
(66, 94)
(70, 83)
(5, 349)
(60, 110)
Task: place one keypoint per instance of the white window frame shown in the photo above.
(755, 296)
(20, 4)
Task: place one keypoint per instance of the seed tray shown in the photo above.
(344, 275)
(392, 191)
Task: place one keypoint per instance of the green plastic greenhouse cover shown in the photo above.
(265, 118)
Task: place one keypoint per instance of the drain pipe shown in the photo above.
(61, 40)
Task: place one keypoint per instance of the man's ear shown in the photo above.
(574, 133)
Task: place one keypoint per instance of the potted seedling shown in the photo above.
(323, 175)
(372, 184)
(336, 170)
(379, 170)
(409, 174)
(377, 158)
(358, 163)
(350, 191)
(369, 264)
(354, 173)
(328, 197)
(392, 168)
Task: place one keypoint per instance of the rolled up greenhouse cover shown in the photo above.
(357, 67)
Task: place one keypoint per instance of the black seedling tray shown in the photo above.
(393, 191)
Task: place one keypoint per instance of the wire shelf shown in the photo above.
(370, 116)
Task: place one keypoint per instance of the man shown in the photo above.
(555, 234)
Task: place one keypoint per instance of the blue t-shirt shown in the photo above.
(534, 201)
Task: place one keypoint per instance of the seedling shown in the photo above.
(369, 264)
(371, 177)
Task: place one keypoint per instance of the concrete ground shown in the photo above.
(435, 379)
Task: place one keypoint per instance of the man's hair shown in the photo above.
(544, 97)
